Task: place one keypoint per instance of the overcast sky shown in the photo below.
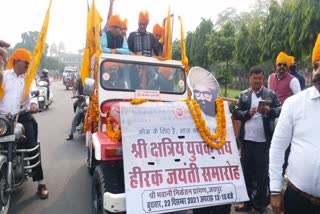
(68, 17)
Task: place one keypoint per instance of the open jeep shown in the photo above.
(122, 78)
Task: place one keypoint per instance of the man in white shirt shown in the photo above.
(257, 108)
(12, 88)
(298, 125)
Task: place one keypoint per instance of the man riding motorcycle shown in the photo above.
(45, 77)
(12, 83)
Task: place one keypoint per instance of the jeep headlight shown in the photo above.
(3, 126)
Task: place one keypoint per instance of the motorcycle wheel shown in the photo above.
(106, 178)
(5, 193)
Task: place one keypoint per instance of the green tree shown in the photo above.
(176, 50)
(221, 48)
(53, 50)
(199, 51)
(189, 39)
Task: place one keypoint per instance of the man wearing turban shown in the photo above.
(298, 125)
(158, 32)
(124, 28)
(12, 81)
(205, 90)
(282, 82)
(142, 42)
(112, 41)
(285, 85)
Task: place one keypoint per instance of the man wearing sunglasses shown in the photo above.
(282, 82)
(12, 83)
(298, 125)
(112, 41)
(141, 42)
(257, 108)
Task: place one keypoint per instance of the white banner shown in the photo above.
(167, 165)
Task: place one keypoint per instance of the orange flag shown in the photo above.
(37, 53)
(184, 58)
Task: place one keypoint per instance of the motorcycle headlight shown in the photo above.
(87, 101)
(3, 127)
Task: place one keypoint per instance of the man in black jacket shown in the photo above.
(257, 108)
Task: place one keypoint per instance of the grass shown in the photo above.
(231, 93)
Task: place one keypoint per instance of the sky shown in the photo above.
(68, 18)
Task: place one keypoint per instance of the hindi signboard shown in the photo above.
(167, 165)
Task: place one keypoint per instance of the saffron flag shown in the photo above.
(37, 53)
(167, 37)
(93, 48)
(92, 43)
(184, 58)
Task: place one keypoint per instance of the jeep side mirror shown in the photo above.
(88, 87)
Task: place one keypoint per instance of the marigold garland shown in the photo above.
(200, 123)
(115, 135)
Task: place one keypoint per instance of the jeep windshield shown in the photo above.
(134, 76)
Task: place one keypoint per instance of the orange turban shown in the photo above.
(108, 65)
(165, 72)
(157, 29)
(19, 54)
(124, 24)
(114, 21)
(291, 60)
(282, 57)
(144, 17)
(316, 50)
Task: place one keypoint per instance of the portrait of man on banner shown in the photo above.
(205, 89)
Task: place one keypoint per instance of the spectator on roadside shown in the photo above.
(298, 126)
(282, 82)
(112, 41)
(141, 42)
(256, 108)
(293, 71)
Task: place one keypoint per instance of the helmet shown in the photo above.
(45, 72)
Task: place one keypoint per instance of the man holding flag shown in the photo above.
(13, 84)
(16, 84)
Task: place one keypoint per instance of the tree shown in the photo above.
(189, 39)
(199, 51)
(176, 50)
(221, 47)
(229, 14)
(53, 50)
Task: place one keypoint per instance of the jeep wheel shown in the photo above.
(93, 164)
(106, 178)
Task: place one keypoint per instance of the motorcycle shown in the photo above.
(43, 101)
(15, 157)
(82, 109)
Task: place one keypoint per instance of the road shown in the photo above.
(63, 162)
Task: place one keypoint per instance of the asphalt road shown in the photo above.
(63, 162)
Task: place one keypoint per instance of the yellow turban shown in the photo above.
(114, 21)
(282, 57)
(144, 17)
(316, 50)
(19, 54)
(157, 29)
(291, 60)
(124, 24)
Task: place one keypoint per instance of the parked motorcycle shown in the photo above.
(43, 101)
(15, 160)
(82, 109)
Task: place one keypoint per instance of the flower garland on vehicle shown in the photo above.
(200, 123)
(115, 135)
